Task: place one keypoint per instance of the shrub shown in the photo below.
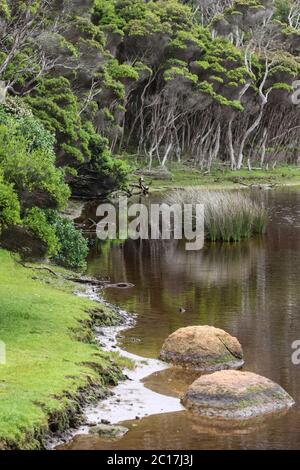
(28, 127)
(54, 103)
(73, 247)
(78, 145)
(34, 132)
(228, 216)
(30, 169)
(9, 205)
(36, 220)
(113, 173)
(66, 245)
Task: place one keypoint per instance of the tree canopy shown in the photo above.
(89, 82)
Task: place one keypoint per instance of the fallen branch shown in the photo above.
(254, 185)
(88, 281)
(38, 268)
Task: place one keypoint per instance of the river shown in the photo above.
(250, 289)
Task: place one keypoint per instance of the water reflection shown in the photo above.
(182, 431)
(250, 289)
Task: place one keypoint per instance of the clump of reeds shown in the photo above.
(228, 216)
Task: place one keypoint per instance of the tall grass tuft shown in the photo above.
(228, 216)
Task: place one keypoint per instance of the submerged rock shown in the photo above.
(204, 348)
(109, 431)
(230, 394)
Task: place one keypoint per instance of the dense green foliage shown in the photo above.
(29, 167)
(36, 220)
(146, 74)
(73, 248)
(50, 144)
(163, 80)
(9, 205)
(30, 183)
(66, 245)
(212, 76)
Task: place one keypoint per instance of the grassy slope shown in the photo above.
(183, 176)
(41, 326)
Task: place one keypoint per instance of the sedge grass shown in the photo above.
(228, 216)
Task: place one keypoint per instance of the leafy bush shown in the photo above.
(28, 127)
(30, 169)
(66, 245)
(54, 103)
(36, 220)
(78, 145)
(112, 172)
(9, 205)
(73, 247)
(34, 132)
(27, 165)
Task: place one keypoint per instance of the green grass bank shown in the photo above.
(53, 365)
(220, 178)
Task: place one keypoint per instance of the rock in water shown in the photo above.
(230, 394)
(108, 431)
(203, 348)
